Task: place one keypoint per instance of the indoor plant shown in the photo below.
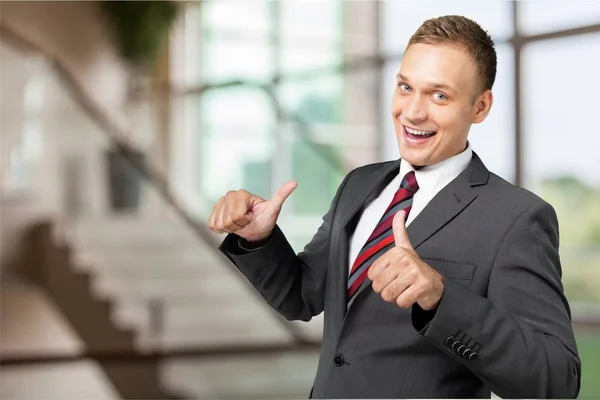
(139, 30)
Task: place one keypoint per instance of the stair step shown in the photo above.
(181, 259)
(273, 376)
(183, 339)
(208, 326)
(193, 314)
(152, 288)
(245, 317)
(142, 227)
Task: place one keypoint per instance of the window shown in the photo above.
(400, 19)
(552, 15)
(561, 145)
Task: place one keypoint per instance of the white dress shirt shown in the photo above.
(431, 179)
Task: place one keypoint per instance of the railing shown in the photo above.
(76, 142)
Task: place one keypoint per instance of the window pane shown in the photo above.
(400, 19)
(550, 15)
(561, 143)
(239, 106)
(494, 139)
(305, 50)
(311, 21)
(225, 59)
(314, 100)
(238, 17)
(237, 142)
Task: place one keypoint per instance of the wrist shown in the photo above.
(256, 241)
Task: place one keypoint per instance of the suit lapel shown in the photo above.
(447, 204)
(373, 185)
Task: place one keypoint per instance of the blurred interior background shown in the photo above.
(122, 123)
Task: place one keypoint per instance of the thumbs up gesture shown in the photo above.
(249, 216)
(401, 277)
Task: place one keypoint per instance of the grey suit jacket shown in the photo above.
(502, 325)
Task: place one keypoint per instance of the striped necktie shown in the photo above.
(382, 238)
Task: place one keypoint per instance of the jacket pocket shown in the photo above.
(452, 269)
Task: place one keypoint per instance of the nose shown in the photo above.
(415, 111)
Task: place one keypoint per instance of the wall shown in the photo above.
(51, 163)
(31, 324)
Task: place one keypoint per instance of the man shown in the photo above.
(437, 278)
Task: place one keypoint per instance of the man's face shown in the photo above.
(433, 106)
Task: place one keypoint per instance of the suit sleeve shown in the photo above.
(519, 339)
(294, 285)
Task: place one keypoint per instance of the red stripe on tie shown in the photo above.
(367, 252)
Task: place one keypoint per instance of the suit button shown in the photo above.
(455, 345)
(461, 348)
(449, 341)
(473, 356)
(338, 360)
(466, 353)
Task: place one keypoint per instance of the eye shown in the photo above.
(404, 87)
(440, 96)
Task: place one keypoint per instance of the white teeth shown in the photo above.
(419, 133)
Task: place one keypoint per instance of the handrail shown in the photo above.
(116, 134)
(129, 356)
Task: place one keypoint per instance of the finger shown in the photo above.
(216, 224)
(221, 219)
(283, 193)
(408, 297)
(211, 218)
(377, 267)
(235, 216)
(395, 289)
(399, 229)
(386, 277)
(242, 217)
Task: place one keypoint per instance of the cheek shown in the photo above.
(450, 120)
(397, 105)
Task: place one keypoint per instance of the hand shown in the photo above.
(250, 217)
(401, 277)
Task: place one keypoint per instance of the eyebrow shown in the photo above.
(435, 85)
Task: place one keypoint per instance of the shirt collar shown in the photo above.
(435, 177)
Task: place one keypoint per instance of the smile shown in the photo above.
(416, 135)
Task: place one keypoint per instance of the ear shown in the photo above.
(482, 106)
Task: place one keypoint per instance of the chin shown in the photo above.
(415, 158)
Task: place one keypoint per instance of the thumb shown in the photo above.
(399, 229)
(283, 193)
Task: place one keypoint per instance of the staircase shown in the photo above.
(142, 284)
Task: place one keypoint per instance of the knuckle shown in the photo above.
(403, 302)
(237, 215)
(404, 256)
(372, 273)
(387, 295)
(412, 273)
(376, 286)
(228, 222)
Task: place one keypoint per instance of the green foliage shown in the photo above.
(578, 208)
(588, 344)
(140, 27)
(319, 109)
